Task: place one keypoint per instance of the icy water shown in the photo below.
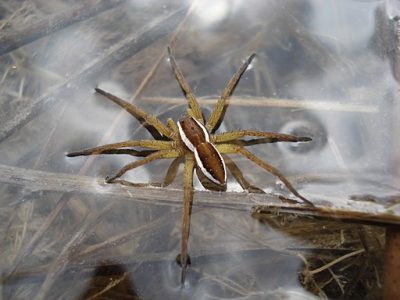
(324, 69)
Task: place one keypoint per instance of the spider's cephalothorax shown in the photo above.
(195, 140)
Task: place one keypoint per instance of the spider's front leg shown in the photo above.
(219, 111)
(230, 148)
(193, 104)
(153, 156)
(143, 117)
(113, 148)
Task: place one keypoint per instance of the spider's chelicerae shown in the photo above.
(193, 139)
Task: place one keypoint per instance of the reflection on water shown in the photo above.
(323, 69)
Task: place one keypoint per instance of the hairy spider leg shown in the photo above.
(187, 91)
(187, 207)
(139, 114)
(171, 123)
(168, 178)
(156, 155)
(238, 175)
(274, 137)
(218, 113)
(229, 148)
(105, 149)
(132, 152)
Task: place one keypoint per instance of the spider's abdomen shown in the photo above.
(196, 137)
(210, 162)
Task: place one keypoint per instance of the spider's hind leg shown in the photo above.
(268, 137)
(168, 179)
(153, 156)
(238, 175)
(230, 148)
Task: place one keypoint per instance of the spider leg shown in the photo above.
(168, 179)
(156, 155)
(193, 104)
(187, 206)
(105, 149)
(238, 175)
(190, 112)
(220, 108)
(270, 136)
(172, 125)
(139, 114)
(133, 152)
(229, 148)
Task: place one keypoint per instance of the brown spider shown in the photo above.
(196, 141)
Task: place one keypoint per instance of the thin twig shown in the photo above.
(328, 265)
(336, 278)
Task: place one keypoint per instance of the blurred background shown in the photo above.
(324, 69)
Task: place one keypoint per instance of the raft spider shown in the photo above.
(194, 139)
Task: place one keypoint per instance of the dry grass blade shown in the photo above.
(328, 265)
(39, 234)
(127, 236)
